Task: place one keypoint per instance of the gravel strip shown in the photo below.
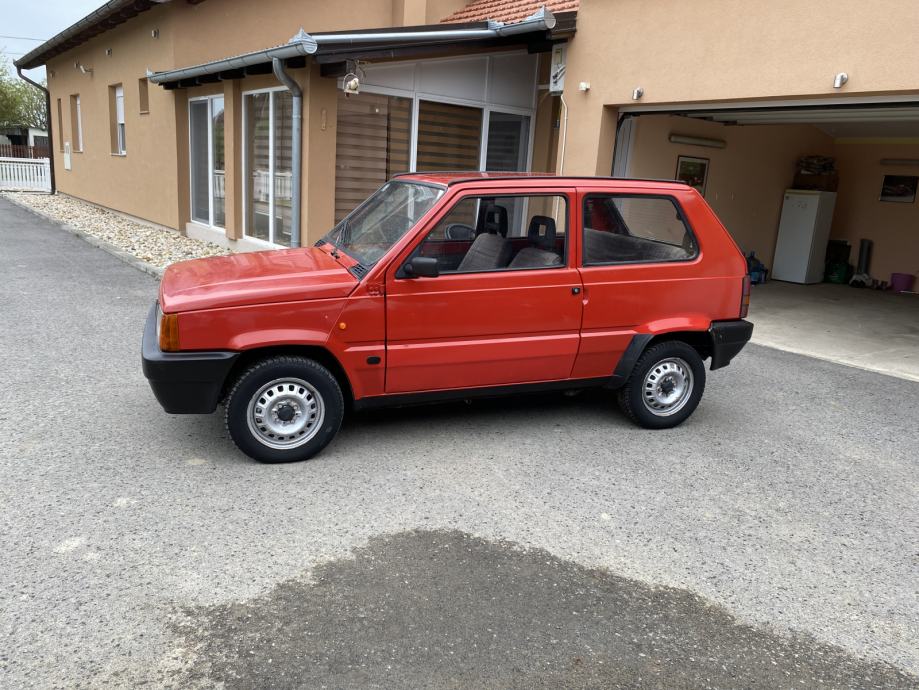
(148, 248)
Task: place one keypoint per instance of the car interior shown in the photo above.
(655, 230)
(488, 234)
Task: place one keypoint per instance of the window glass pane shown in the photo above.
(377, 224)
(197, 123)
(257, 165)
(283, 151)
(449, 136)
(627, 229)
(219, 163)
(372, 144)
(508, 140)
(119, 104)
(478, 234)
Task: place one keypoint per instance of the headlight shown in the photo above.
(167, 330)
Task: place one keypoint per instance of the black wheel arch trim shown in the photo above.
(636, 346)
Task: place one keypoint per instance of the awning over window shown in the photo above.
(537, 32)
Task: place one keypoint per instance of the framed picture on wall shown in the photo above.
(692, 171)
(899, 188)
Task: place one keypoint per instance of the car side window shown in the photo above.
(621, 228)
(500, 233)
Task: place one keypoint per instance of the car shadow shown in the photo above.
(587, 404)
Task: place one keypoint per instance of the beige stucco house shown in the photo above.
(183, 112)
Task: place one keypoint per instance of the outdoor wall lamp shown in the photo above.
(637, 93)
(840, 80)
(83, 68)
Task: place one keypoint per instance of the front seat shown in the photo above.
(541, 252)
(490, 250)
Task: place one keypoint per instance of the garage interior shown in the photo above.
(750, 156)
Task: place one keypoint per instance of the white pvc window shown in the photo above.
(78, 135)
(437, 133)
(267, 165)
(120, 139)
(207, 166)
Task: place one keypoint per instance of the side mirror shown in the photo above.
(421, 266)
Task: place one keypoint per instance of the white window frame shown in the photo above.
(210, 161)
(245, 163)
(485, 106)
(120, 130)
(79, 132)
(487, 109)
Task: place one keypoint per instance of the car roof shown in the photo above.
(449, 178)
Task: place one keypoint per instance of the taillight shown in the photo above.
(745, 297)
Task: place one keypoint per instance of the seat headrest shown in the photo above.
(493, 220)
(541, 232)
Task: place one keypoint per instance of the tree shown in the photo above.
(21, 104)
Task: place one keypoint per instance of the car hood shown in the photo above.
(284, 275)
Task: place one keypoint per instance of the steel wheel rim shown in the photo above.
(285, 413)
(667, 387)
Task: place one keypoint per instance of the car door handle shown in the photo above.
(575, 291)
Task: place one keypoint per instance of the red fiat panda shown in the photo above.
(455, 285)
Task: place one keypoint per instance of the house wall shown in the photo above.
(894, 227)
(746, 179)
(152, 180)
(142, 183)
(721, 50)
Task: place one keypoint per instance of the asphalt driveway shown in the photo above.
(769, 542)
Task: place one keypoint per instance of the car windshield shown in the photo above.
(370, 230)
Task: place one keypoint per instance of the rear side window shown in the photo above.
(622, 228)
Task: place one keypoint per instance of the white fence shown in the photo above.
(25, 175)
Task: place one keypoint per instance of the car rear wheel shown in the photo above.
(284, 409)
(665, 386)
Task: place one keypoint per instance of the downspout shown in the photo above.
(277, 66)
(50, 133)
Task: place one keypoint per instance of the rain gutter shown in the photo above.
(304, 44)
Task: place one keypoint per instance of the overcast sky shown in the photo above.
(37, 19)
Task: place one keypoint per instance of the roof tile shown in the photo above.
(508, 10)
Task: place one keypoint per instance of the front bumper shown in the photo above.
(184, 382)
(728, 338)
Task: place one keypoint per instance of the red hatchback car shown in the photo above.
(455, 285)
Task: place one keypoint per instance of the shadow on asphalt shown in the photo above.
(445, 609)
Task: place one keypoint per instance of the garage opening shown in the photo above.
(808, 188)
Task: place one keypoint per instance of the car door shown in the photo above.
(640, 269)
(493, 316)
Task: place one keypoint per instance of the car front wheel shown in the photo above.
(284, 409)
(665, 386)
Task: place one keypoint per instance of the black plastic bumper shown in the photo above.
(728, 338)
(184, 382)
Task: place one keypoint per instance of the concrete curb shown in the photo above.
(128, 258)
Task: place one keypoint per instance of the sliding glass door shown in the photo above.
(267, 150)
(207, 160)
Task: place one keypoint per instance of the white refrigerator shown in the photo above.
(804, 230)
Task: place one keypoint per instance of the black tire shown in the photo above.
(632, 396)
(319, 400)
